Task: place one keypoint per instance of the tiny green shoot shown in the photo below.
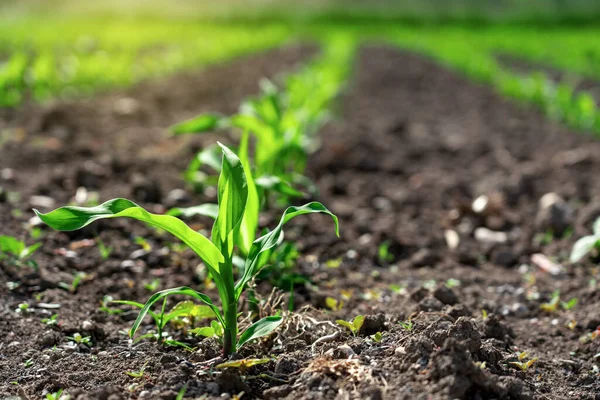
(354, 325)
(407, 325)
(586, 244)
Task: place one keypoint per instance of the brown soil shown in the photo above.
(415, 145)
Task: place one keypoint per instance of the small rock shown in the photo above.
(504, 257)
(554, 214)
(486, 235)
(480, 204)
(373, 324)
(452, 238)
(139, 253)
(277, 392)
(168, 359)
(42, 201)
(287, 365)
(545, 264)
(423, 257)
(430, 304)
(87, 325)
(341, 352)
(146, 191)
(446, 295)
(89, 175)
(176, 197)
(126, 106)
(7, 174)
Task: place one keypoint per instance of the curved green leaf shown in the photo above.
(206, 210)
(170, 292)
(71, 218)
(274, 238)
(258, 329)
(200, 124)
(582, 247)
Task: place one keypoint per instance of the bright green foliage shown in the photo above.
(15, 251)
(283, 122)
(217, 253)
(586, 244)
(54, 396)
(354, 325)
(70, 56)
(554, 303)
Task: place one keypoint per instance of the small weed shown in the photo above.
(105, 251)
(554, 303)
(139, 373)
(407, 325)
(52, 320)
(77, 279)
(334, 304)
(28, 363)
(78, 339)
(377, 337)
(153, 285)
(521, 363)
(23, 308)
(54, 396)
(586, 244)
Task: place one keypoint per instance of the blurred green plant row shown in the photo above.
(46, 58)
(574, 53)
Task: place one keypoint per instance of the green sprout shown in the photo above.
(354, 325)
(554, 303)
(185, 309)
(407, 325)
(54, 396)
(78, 339)
(152, 285)
(139, 373)
(52, 320)
(105, 251)
(377, 337)
(233, 227)
(383, 252)
(586, 244)
(77, 279)
(522, 364)
(243, 364)
(28, 363)
(16, 252)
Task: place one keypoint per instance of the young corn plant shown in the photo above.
(15, 252)
(232, 228)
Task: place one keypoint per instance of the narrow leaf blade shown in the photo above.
(259, 329)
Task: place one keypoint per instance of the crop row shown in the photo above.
(477, 55)
(281, 123)
(75, 57)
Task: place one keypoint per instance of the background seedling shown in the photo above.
(78, 339)
(354, 325)
(16, 252)
(523, 364)
(52, 320)
(105, 251)
(586, 244)
(139, 373)
(227, 234)
(54, 396)
(407, 325)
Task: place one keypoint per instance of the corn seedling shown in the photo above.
(15, 251)
(586, 244)
(354, 325)
(105, 251)
(77, 279)
(153, 285)
(232, 228)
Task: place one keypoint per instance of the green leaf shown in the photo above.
(273, 239)
(203, 123)
(247, 231)
(582, 247)
(358, 322)
(597, 228)
(9, 244)
(275, 183)
(28, 251)
(233, 194)
(345, 324)
(71, 218)
(171, 292)
(206, 210)
(244, 363)
(259, 329)
(205, 331)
